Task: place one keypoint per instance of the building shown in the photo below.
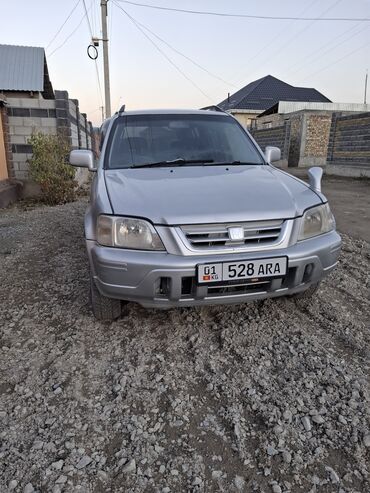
(28, 104)
(260, 95)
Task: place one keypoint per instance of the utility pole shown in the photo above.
(102, 113)
(104, 14)
(366, 77)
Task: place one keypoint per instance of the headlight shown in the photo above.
(125, 232)
(316, 221)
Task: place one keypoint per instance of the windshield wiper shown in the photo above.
(230, 163)
(173, 162)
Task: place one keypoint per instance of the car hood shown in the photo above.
(207, 194)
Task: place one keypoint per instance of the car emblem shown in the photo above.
(236, 233)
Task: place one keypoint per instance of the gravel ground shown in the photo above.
(265, 397)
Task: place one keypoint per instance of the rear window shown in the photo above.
(143, 139)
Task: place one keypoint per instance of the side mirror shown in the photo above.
(314, 178)
(82, 158)
(272, 154)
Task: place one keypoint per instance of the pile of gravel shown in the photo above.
(265, 397)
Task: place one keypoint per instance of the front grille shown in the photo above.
(213, 236)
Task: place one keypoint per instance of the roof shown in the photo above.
(267, 91)
(24, 68)
(284, 107)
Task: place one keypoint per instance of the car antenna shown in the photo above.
(122, 109)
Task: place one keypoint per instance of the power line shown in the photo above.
(95, 62)
(64, 23)
(88, 18)
(320, 51)
(163, 53)
(110, 30)
(276, 53)
(68, 37)
(183, 55)
(247, 16)
(277, 36)
(336, 61)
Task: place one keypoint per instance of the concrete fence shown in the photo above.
(319, 138)
(49, 116)
(278, 136)
(349, 141)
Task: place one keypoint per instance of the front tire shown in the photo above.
(104, 308)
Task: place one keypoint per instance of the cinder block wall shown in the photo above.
(349, 142)
(28, 115)
(278, 136)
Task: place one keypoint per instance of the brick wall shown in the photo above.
(278, 136)
(349, 142)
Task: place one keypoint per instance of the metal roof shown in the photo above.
(263, 93)
(21, 68)
(284, 107)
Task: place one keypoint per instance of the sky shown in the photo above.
(330, 56)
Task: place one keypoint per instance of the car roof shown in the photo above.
(174, 112)
(209, 112)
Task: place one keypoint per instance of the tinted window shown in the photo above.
(143, 139)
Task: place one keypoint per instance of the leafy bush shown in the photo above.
(50, 169)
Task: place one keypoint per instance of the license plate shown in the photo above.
(242, 270)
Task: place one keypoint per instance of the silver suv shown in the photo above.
(187, 210)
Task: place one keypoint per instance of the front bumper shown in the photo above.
(158, 279)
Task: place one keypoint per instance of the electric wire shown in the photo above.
(247, 16)
(277, 36)
(88, 18)
(183, 55)
(336, 61)
(95, 62)
(68, 37)
(163, 53)
(64, 23)
(278, 52)
(302, 64)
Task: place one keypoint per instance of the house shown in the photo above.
(260, 95)
(29, 104)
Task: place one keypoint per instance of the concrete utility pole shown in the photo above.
(366, 77)
(104, 14)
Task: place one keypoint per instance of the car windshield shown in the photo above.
(184, 139)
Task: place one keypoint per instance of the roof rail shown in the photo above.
(213, 107)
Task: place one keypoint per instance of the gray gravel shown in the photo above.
(265, 397)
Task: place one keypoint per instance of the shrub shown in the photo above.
(50, 169)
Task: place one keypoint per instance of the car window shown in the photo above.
(143, 139)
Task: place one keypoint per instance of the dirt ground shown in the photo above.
(265, 397)
(349, 200)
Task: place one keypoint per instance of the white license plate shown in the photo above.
(242, 270)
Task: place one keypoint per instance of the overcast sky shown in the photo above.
(330, 56)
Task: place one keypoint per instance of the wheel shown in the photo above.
(304, 298)
(103, 308)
